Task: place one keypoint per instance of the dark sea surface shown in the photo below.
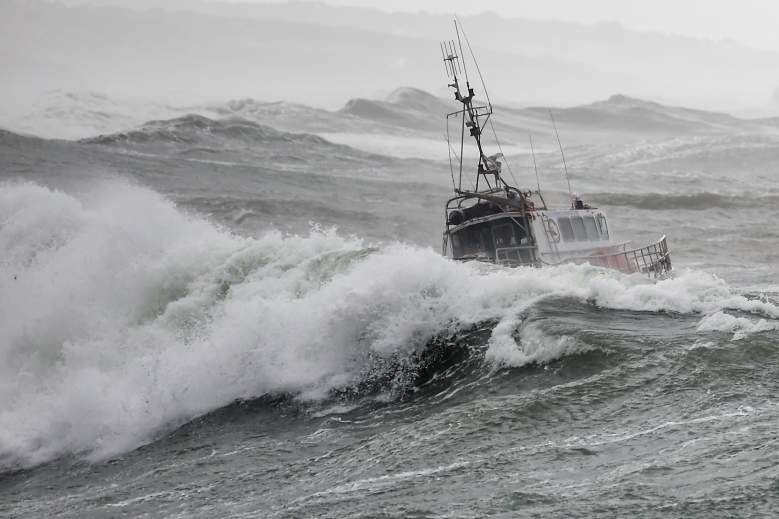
(221, 316)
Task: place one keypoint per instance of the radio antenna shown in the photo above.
(535, 166)
(562, 154)
(473, 57)
(459, 44)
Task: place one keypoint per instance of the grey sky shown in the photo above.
(195, 51)
(751, 22)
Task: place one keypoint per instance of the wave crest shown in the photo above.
(121, 315)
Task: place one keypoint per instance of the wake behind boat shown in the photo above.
(501, 223)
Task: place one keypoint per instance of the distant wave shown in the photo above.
(405, 107)
(695, 201)
(195, 129)
(12, 138)
(70, 115)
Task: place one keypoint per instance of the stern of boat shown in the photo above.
(654, 260)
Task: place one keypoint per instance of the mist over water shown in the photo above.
(234, 305)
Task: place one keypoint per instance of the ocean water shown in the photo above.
(208, 317)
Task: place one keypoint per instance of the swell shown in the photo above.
(193, 129)
(694, 201)
(111, 335)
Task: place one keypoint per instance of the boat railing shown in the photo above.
(653, 260)
(516, 256)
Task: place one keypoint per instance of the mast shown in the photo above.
(471, 115)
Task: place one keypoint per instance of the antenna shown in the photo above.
(452, 67)
(475, 62)
(562, 153)
(535, 166)
(459, 43)
(451, 61)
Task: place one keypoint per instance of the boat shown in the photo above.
(500, 223)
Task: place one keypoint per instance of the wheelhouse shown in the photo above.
(495, 225)
(486, 237)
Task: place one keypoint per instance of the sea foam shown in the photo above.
(122, 316)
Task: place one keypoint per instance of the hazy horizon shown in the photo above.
(747, 23)
(322, 54)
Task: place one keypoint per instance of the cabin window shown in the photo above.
(604, 228)
(486, 241)
(578, 228)
(565, 229)
(474, 240)
(504, 236)
(591, 228)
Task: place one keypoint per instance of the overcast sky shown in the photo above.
(751, 22)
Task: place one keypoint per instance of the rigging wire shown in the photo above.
(453, 152)
(473, 57)
(486, 95)
(449, 146)
(462, 145)
(535, 166)
(508, 166)
(459, 43)
(562, 153)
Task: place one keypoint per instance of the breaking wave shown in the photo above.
(122, 316)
